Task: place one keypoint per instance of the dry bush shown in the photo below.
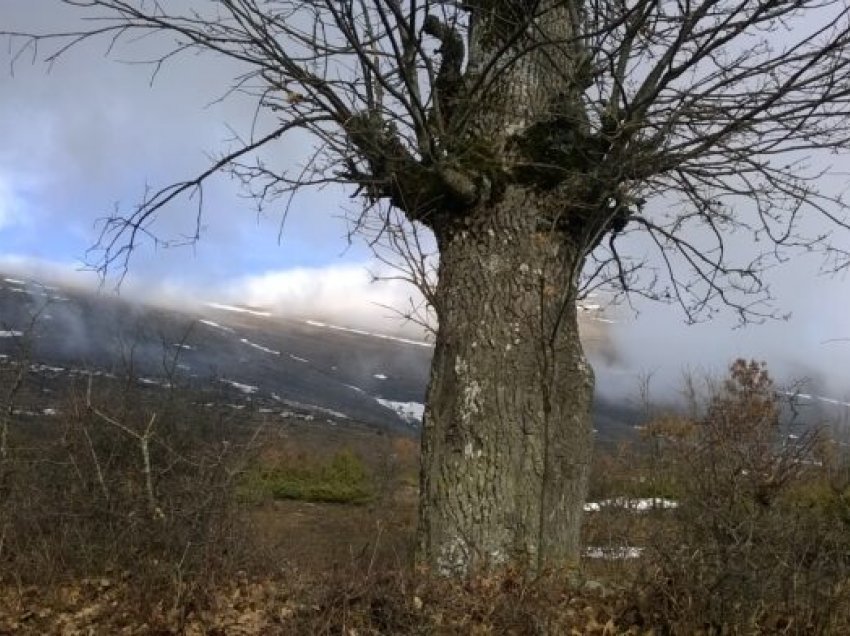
(508, 601)
(360, 601)
(124, 483)
(760, 541)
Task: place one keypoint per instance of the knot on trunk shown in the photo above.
(557, 148)
(377, 143)
(384, 168)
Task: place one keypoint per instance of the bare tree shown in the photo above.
(530, 137)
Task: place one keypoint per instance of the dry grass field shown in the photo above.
(139, 514)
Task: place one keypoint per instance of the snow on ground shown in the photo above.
(819, 398)
(613, 552)
(155, 382)
(15, 281)
(39, 368)
(181, 345)
(309, 407)
(92, 373)
(297, 359)
(412, 412)
(259, 347)
(25, 412)
(379, 376)
(361, 332)
(637, 505)
(241, 310)
(215, 325)
(831, 401)
(11, 334)
(331, 412)
(245, 388)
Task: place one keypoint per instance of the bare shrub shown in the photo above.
(760, 539)
(506, 601)
(124, 483)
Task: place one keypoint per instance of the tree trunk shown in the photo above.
(506, 434)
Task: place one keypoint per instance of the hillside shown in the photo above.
(247, 356)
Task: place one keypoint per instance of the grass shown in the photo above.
(343, 479)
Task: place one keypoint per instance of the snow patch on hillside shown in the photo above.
(819, 398)
(412, 412)
(248, 389)
(636, 505)
(259, 347)
(372, 334)
(215, 325)
(309, 407)
(165, 384)
(41, 368)
(241, 310)
(613, 552)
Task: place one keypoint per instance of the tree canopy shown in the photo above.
(684, 121)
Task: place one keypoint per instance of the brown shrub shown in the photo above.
(122, 483)
(746, 551)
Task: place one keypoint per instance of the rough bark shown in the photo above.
(506, 438)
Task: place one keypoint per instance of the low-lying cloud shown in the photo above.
(357, 295)
(811, 344)
(346, 293)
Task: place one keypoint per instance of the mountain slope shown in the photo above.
(247, 356)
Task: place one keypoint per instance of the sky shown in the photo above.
(92, 132)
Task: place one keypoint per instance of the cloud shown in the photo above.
(808, 345)
(9, 207)
(344, 292)
(67, 273)
(12, 200)
(347, 293)
(99, 137)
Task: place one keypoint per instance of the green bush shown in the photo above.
(342, 479)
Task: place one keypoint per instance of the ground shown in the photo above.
(318, 568)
